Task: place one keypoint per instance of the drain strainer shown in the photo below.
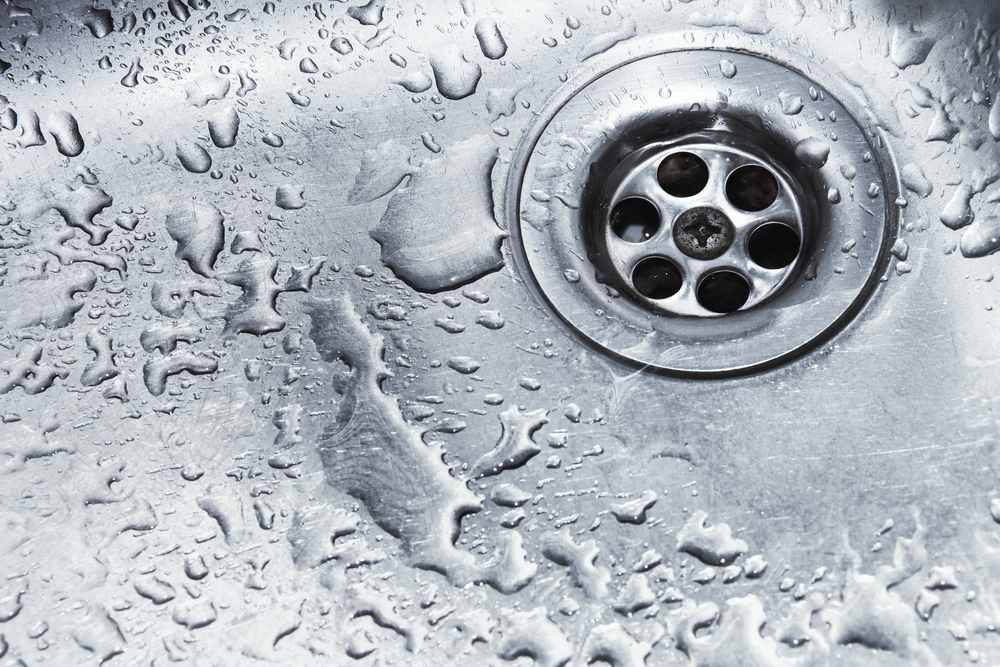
(703, 212)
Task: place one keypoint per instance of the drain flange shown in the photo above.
(692, 222)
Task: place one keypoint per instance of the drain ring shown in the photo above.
(566, 180)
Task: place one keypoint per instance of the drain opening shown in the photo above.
(635, 220)
(723, 292)
(752, 188)
(682, 175)
(773, 245)
(656, 278)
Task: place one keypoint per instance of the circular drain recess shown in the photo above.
(703, 212)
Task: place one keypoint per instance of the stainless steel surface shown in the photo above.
(285, 380)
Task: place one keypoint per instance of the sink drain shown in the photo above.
(703, 212)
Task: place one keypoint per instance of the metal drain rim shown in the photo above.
(633, 339)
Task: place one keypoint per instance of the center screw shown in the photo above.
(703, 233)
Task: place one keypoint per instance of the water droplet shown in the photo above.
(912, 177)
(246, 83)
(8, 119)
(467, 245)
(197, 227)
(713, 546)
(456, 77)
(727, 68)
(343, 46)
(958, 212)
(368, 14)
(490, 40)
(298, 98)
(981, 238)
(900, 249)
(909, 47)
(464, 365)
(234, 16)
(428, 140)
(634, 511)
(131, 80)
(449, 325)
(287, 48)
(491, 319)
(812, 151)
(178, 10)
(791, 104)
(289, 197)
(66, 132)
(206, 88)
(223, 126)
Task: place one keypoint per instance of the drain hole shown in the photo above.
(773, 246)
(723, 292)
(752, 188)
(656, 278)
(635, 220)
(682, 174)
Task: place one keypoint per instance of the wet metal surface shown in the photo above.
(307, 357)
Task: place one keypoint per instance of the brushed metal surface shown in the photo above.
(278, 386)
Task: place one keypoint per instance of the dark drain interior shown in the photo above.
(774, 245)
(751, 188)
(657, 278)
(723, 292)
(635, 220)
(682, 174)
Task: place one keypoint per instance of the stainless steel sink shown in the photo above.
(627, 333)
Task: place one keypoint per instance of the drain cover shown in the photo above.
(703, 212)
